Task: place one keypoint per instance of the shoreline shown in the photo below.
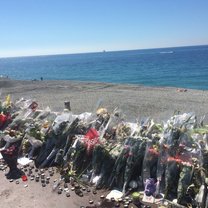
(3, 78)
(135, 101)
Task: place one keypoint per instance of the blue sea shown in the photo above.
(185, 67)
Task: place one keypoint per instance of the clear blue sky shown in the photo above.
(33, 27)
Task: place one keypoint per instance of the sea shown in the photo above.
(182, 67)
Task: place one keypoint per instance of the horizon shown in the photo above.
(106, 51)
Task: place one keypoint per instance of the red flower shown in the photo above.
(91, 139)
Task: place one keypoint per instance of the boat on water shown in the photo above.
(163, 52)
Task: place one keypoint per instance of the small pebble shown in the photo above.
(17, 182)
(91, 201)
(81, 194)
(127, 202)
(98, 204)
(11, 180)
(130, 200)
(43, 185)
(94, 192)
(67, 194)
(66, 189)
(112, 199)
(88, 190)
(42, 176)
(72, 188)
(83, 189)
(25, 185)
(59, 191)
(76, 186)
(120, 200)
(102, 196)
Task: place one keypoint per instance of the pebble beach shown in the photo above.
(135, 101)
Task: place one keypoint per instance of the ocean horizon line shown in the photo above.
(102, 51)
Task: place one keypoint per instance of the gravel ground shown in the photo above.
(134, 101)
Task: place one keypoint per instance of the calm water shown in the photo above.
(178, 67)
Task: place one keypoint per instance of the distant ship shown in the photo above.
(166, 52)
(104, 51)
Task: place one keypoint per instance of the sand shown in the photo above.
(136, 102)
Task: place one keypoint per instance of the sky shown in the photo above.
(40, 27)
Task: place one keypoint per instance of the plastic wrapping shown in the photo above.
(61, 121)
(150, 163)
